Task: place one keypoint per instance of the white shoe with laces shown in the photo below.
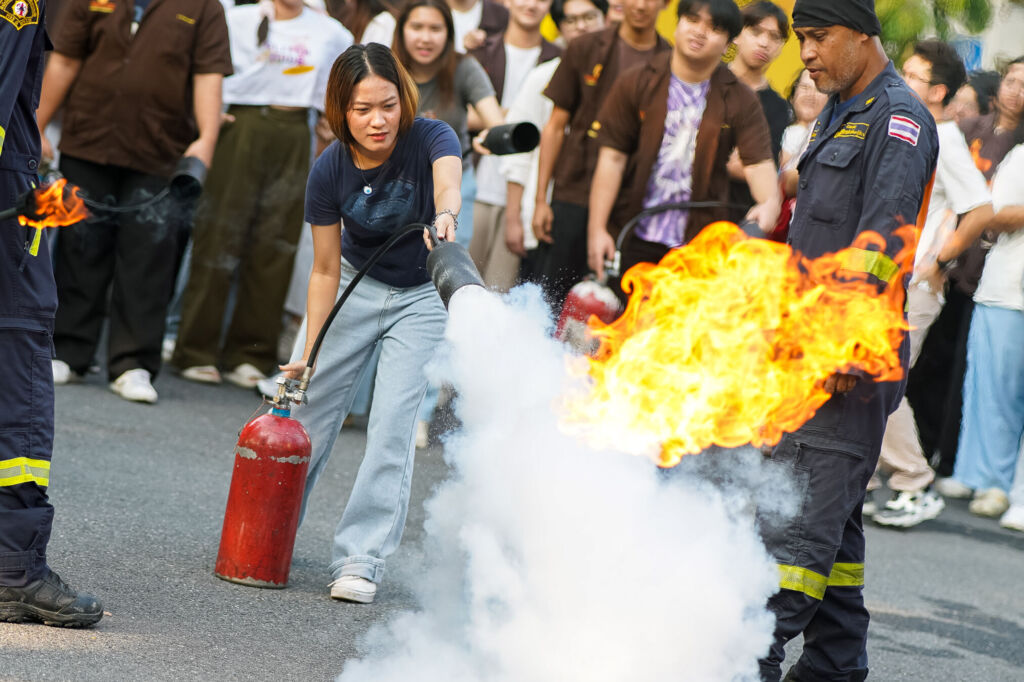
(353, 588)
(135, 385)
(908, 509)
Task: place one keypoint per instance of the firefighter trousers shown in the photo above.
(820, 553)
(26, 445)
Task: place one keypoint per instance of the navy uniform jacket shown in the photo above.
(28, 296)
(869, 170)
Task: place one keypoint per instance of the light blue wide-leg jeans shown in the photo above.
(408, 326)
(993, 420)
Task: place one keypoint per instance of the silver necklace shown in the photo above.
(367, 186)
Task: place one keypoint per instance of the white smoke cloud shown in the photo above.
(550, 561)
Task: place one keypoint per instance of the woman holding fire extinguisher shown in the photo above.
(386, 170)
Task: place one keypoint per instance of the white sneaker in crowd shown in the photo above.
(991, 502)
(204, 374)
(908, 509)
(245, 376)
(954, 489)
(353, 588)
(1013, 518)
(135, 385)
(62, 373)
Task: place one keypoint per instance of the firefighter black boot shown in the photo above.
(50, 601)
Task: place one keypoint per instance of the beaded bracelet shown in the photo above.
(447, 211)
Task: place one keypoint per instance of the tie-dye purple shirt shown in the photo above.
(672, 177)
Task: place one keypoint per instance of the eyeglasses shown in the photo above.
(915, 77)
(587, 18)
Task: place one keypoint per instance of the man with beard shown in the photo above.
(868, 167)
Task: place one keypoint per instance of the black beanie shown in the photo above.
(856, 14)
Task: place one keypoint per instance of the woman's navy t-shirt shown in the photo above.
(402, 193)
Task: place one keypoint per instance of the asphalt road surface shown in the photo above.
(140, 494)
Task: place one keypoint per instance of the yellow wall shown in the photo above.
(780, 74)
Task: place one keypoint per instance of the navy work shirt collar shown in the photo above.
(862, 102)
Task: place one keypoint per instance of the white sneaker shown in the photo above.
(907, 509)
(134, 385)
(991, 502)
(952, 488)
(1013, 518)
(245, 376)
(204, 374)
(353, 588)
(422, 434)
(62, 373)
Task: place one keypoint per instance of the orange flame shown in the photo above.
(728, 342)
(55, 208)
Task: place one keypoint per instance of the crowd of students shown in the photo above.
(628, 121)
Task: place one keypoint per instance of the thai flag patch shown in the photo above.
(902, 128)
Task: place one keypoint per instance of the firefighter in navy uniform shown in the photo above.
(29, 590)
(868, 168)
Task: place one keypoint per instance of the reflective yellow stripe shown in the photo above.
(3, 136)
(813, 584)
(870, 262)
(802, 580)
(846, 575)
(24, 470)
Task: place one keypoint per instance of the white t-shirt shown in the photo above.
(531, 105)
(490, 183)
(291, 68)
(959, 188)
(465, 22)
(381, 30)
(1002, 281)
(794, 143)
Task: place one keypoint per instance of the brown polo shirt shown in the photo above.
(632, 121)
(131, 104)
(579, 85)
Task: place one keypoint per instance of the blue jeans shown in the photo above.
(407, 324)
(993, 421)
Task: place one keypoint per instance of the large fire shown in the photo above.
(729, 340)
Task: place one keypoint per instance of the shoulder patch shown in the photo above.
(20, 13)
(903, 128)
(857, 131)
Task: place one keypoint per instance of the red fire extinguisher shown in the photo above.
(262, 517)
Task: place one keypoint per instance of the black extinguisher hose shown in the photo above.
(370, 262)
